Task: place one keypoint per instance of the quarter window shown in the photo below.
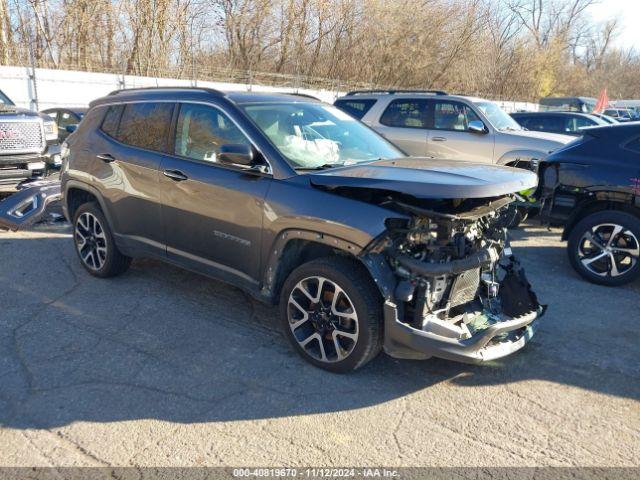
(201, 130)
(146, 125)
(355, 108)
(406, 114)
(453, 116)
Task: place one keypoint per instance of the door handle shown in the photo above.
(106, 157)
(176, 175)
(439, 139)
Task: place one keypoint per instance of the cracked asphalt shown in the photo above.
(162, 367)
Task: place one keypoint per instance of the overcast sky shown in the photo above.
(628, 13)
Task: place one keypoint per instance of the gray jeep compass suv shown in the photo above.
(299, 204)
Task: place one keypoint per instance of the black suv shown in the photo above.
(29, 146)
(567, 123)
(298, 203)
(592, 188)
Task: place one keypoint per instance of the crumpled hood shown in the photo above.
(429, 178)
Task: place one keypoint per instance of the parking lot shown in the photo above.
(165, 367)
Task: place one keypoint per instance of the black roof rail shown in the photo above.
(151, 89)
(394, 91)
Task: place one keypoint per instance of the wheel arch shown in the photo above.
(601, 202)
(293, 248)
(76, 193)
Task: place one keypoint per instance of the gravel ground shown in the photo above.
(164, 367)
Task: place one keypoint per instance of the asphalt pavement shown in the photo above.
(165, 367)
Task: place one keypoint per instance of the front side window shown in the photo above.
(4, 100)
(497, 116)
(65, 119)
(452, 116)
(313, 135)
(201, 130)
(406, 114)
(146, 125)
(355, 108)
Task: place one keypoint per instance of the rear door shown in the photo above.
(450, 137)
(404, 123)
(127, 155)
(212, 213)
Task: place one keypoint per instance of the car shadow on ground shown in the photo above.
(167, 344)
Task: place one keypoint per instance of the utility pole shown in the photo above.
(32, 78)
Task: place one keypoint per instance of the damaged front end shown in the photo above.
(459, 292)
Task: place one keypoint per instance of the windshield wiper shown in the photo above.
(324, 166)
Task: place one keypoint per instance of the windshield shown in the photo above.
(4, 100)
(498, 117)
(314, 135)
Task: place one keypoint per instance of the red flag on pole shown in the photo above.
(603, 102)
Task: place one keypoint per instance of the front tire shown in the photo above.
(331, 312)
(94, 243)
(604, 248)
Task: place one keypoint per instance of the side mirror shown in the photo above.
(476, 126)
(236, 154)
(72, 128)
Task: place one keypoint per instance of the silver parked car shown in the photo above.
(433, 123)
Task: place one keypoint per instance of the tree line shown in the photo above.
(505, 49)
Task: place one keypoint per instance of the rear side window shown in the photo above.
(111, 120)
(523, 121)
(355, 108)
(146, 125)
(406, 114)
(546, 124)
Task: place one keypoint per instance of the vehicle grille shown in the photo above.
(21, 137)
(465, 287)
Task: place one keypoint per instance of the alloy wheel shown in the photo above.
(323, 319)
(91, 241)
(608, 250)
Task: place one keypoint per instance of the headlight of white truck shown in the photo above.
(50, 130)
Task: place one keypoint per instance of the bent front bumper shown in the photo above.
(29, 204)
(403, 341)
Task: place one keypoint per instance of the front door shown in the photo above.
(212, 213)
(450, 137)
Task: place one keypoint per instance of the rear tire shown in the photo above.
(331, 312)
(603, 247)
(94, 243)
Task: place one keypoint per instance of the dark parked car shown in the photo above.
(592, 188)
(568, 104)
(568, 123)
(298, 203)
(621, 114)
(67, 119)
(29, 146)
